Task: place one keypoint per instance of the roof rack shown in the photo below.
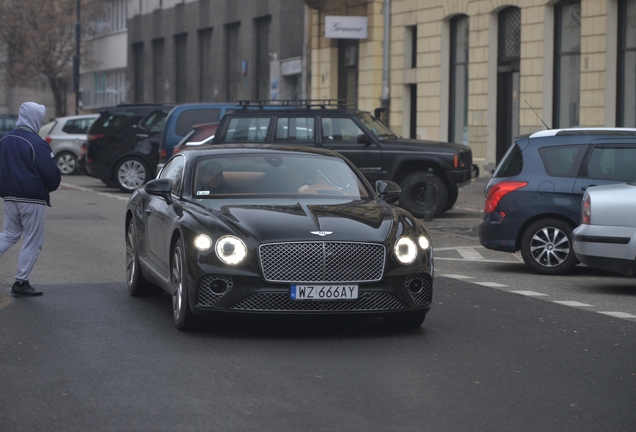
(307, 103)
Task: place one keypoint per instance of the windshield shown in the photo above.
(281, 175)
(379, 129)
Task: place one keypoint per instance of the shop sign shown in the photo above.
(346, 27)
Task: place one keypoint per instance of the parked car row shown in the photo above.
(548, 184)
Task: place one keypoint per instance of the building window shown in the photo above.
(157, 70)
(410, 45)
(205, 65)
(567, 61)
(233, 61)
(103, 88)
(114, 17)
(458, 116)
(138, 71)
(262, 57)
(181, 67)
(626, 91)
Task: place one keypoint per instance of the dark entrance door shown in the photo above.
(508, 65)
(348, 71)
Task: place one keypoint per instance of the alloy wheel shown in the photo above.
(177, 283)
(130, 253)
(550, 246)
(132, 174)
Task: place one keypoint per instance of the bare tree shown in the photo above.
(39, 38)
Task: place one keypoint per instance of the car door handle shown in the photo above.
(585, 187)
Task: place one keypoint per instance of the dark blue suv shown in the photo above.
(533, 201)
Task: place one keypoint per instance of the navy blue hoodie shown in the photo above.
(28, 171)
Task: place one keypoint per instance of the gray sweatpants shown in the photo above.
(24, 218)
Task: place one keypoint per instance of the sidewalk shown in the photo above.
(471, 196)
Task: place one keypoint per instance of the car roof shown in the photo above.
(73, 117)
(605, 131)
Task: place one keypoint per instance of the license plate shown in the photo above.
(324, 292)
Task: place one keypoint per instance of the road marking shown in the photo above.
(459, 247)
(106, 194)
(618, 314)
(481, 260)
(457, 276)
(470, 254)
(529, 293)
(491, 284)
(572, 303)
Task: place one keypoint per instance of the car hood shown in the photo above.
(297, 220)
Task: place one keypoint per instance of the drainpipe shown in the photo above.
(305, 65)
(385, 100)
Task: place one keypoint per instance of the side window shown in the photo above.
(78, 126)
(340, 130)
(174, 170)
(246, 129)
(562, 161)
(295, 129)
(191, 117)
(613, 163)
(154, 121)
(511, 164)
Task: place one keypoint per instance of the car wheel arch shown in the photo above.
(407, 167)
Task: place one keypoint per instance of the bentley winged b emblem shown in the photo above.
(321, 233)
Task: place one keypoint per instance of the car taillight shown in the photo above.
(162, 155)
(586, 211)
(83, 148)
(48, 139)
(93, 137)
(498, 191)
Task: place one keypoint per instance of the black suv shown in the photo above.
(365, 141)
(533, 201)
(122, 146)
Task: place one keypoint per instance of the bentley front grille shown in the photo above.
(212, 288)
(280, 301)
(322, 262)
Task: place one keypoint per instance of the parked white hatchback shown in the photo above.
(66, 135)
(606, 238)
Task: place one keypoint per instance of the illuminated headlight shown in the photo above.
(230, 250)
(423, 242)
(202, 242)
(405, 250)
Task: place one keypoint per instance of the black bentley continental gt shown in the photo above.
(276, 230)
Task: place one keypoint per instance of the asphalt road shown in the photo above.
(87, 356)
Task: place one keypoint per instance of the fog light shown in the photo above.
(415, 286)
(219, 286)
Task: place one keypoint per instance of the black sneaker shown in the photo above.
(24, 289)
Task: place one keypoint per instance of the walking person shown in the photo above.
(28, 173)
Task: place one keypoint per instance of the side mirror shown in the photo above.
(364, 139)
(388, 190)
(161, 188)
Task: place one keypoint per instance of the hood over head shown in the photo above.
(31, 116)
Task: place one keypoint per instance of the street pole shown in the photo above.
(76, 61)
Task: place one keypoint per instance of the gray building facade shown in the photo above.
(215, 50)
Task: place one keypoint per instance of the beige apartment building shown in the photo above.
(478, 72)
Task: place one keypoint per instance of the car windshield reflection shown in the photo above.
(280, 175)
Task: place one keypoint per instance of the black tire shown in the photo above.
(546, 247)
(130, 173)
(453, 194)
(184, 319)
(414, 197)
(66, 162)
(137, 283)
(402, 320)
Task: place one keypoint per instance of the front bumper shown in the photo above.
(253, 295)
(463, 176)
